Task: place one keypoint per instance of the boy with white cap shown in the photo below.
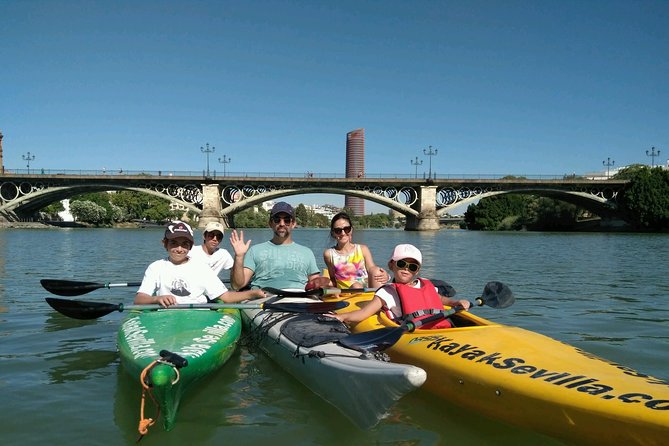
(180, 280)
(210, 251)
(406, 294)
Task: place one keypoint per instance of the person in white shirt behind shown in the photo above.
(210, 251)
(178, 279)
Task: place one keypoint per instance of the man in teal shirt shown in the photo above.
(279, 262)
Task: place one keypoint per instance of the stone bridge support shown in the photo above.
(211, 205)
(427, 218)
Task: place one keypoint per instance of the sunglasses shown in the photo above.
(216, 235)
(345, 229)
(286, 220)
(413, 267)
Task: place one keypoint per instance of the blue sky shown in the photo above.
(497, 87)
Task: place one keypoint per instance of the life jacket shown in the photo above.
(421, 303)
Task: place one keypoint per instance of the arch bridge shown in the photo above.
(423, 202)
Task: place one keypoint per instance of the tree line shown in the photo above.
(109, 208)
(643, 204)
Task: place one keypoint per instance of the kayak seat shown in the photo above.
(310, 330)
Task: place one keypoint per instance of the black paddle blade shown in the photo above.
(78, 309)
(69, 287)
(375, 340)
(305, 307)
(497, 295)
(285, 293)
(443, 288)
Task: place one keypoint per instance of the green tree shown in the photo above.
(255, 217)
(502, 212)
(302, 215)
(88, 212)
(645, 198)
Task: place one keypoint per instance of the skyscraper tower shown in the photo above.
(2, 164)
(355, 167)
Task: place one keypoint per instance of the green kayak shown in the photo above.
(173, 349)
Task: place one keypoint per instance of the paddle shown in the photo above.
(76, 288)
(444, 289)
(495, 295)
(79, 309)
(316, 292)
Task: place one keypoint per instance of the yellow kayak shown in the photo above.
(531, 380)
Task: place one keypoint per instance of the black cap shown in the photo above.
(282, 207)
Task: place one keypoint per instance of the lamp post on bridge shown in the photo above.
(652, 155)
(28, 157)
(608, 163)
(430, 153)
(207, 151)
(224, 161)
(416, 163)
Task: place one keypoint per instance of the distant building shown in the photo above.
(327, 210)
(355, 167)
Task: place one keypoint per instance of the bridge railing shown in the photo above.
(219, 175)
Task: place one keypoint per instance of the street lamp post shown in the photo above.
(224, 161)
(652, 155)
(608, 163)
(417, 163)
(208, 151)
(430, 153)
(28, 157)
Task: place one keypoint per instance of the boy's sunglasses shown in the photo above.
(286, 220)
(413, 267)
(338, 231)
(216, 235)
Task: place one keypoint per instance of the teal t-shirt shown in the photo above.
(280, 266)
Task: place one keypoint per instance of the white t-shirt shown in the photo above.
(219, 260)
(190, 282)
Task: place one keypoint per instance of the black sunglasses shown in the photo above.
(413, 267)
(216, 235)
(287, 220)
(345, 229)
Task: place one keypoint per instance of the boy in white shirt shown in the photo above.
(180, 280)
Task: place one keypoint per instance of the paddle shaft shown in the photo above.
(78, 309)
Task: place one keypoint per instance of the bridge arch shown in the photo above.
(237, 198)
(25, 199)
(599, 201)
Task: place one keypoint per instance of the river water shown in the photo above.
(60, 378)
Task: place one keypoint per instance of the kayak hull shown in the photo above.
(360, 385)
(533, 381)
(204, 338)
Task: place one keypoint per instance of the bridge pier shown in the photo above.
(211, 206)
(427, 218)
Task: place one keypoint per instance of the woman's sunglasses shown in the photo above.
(413, 267)
(345, 229)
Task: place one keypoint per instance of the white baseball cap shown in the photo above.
(407, 251)
(214, 226)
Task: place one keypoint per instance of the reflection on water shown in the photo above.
(75, 366)
(604, 293)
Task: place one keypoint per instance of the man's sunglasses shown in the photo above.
(345, 229)
(216, 235)
(413, 267)
(286, 220)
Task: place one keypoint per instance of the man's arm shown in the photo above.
(239, 276)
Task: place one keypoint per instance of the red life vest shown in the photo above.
(420, 299)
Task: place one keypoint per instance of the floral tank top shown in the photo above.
(349, 268)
